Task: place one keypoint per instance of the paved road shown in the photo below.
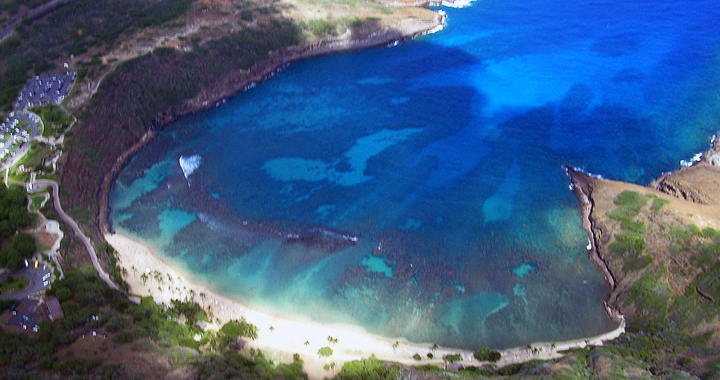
(44, 183)
(36, 128)
(35, 285)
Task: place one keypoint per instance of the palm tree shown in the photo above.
(202, 296)
(144, 277)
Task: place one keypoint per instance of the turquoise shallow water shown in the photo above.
(418, 190)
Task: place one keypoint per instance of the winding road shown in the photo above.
(36, 284)
(40, 184)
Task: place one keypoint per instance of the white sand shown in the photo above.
(288, 337)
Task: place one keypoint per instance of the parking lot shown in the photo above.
(46, 89)
(26, 314)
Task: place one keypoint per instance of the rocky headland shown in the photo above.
(658, 247)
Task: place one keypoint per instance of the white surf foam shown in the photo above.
(691, 161)
(189, 165)
(456, 3)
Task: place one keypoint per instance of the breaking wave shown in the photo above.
(189, 164)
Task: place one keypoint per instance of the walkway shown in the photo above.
(44, 183)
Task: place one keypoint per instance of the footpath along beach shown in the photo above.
(280, 338)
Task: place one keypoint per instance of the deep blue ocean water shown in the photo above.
(418, 190)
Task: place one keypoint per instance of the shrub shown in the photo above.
(658, 203)
(485, 354)
(629, 242)
(631, 201)
(417, 357)
(453, 358)
(123, 337)
(236, 328)
(325, 351)
(116, 324)
(637, 263)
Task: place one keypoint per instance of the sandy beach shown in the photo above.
(280, 338)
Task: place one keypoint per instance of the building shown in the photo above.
(53, 308)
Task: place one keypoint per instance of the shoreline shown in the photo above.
(582, 189)
(288, 336)
(281, 337)
(243, 80)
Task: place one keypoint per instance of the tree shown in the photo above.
(452, 358)
(236, 328)
(18, 218)
(24, 244)
(14, 259)
(325, 352)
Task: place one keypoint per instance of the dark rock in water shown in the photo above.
(577, 99)
(322, 238)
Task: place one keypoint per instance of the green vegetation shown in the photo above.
(36, 202)
(89, 304)
(54, 119)
(631, 202)
(34, 158)
(115, 272)
(163, 11)
(12, 285)
(486, 354)
(325, 351)
(141, 93)
(320, 27)
(369, 369)
(658, 204)
(703, 246)
(452, 358)
(631, 242)
(233, 365)
(77, 27)
(239, 328)
(15, 246)
(708, 283)
(651, 295)
(673, 303)
(21, 247)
